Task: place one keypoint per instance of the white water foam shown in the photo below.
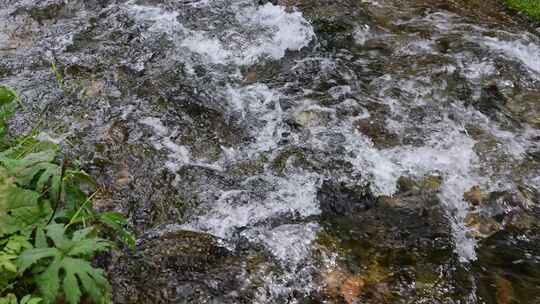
(259, 106)
(162, 21)
(524, 50)
(289, 31)
(278, 31)
(362, 34)
(294, 195)
(290, 243)
(178, 155)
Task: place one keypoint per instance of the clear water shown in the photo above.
(325, 94)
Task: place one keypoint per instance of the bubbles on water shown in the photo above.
(260, 199)
(161, 21)
(255, 32)
(178, 155)
(362, 33)
(290, 243)
(521, 49)
(270, 209)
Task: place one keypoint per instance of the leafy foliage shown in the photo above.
(530, 8)
(12, 299)
(7, 107)
(37, 171)
(48, 228)
(117, 222)
(11, 248)
(20, 209)
(68, 265)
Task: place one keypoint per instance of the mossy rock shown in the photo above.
(375, 129)
(507, 271)
(297, 154)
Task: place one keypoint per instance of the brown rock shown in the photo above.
(474, 196)
(483, 226)
(250, 77)
(504, 290)
(352, 288)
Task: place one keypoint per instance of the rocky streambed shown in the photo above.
(291, 151)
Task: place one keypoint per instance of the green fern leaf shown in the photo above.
(28, 299)
(20, 209)
(7, 95)
(66, 265)
(32, 256)
(117, 222)
(12, 246)
(36, 167)
(9, 299)
(12, 299)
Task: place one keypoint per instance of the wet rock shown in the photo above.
(408, 186)
(510, 108)
(351, 289)
(294, 156)
(339, 199)
(507, 269)
(390, 242)
(311, 117)
(482, 225)
(333, 33)
(459, 87)
(474, 196)
(375, 129)
(492, 101)
(504, 290)
(177, 267)
(43, 10)
(431, 183)
(525, 106)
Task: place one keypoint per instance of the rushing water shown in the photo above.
(370, 151)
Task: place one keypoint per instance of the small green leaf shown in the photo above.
(31, 256)
(41, 239)
(56, 233)
(9, 299)
(20, 209)
(49, 281)
(117, 222)
(71, 288)
(33, 301)
(28, 299)
(7, 95)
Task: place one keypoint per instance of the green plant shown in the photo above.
(12, 299)
(531, 8)
(49, 232)
(64, 262)
(7, 108)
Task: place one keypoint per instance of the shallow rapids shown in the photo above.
(316, 152)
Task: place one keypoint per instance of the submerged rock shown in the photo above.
(379, 135)
(387, 243)
(507, 270)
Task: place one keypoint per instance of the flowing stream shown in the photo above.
(292, 151)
